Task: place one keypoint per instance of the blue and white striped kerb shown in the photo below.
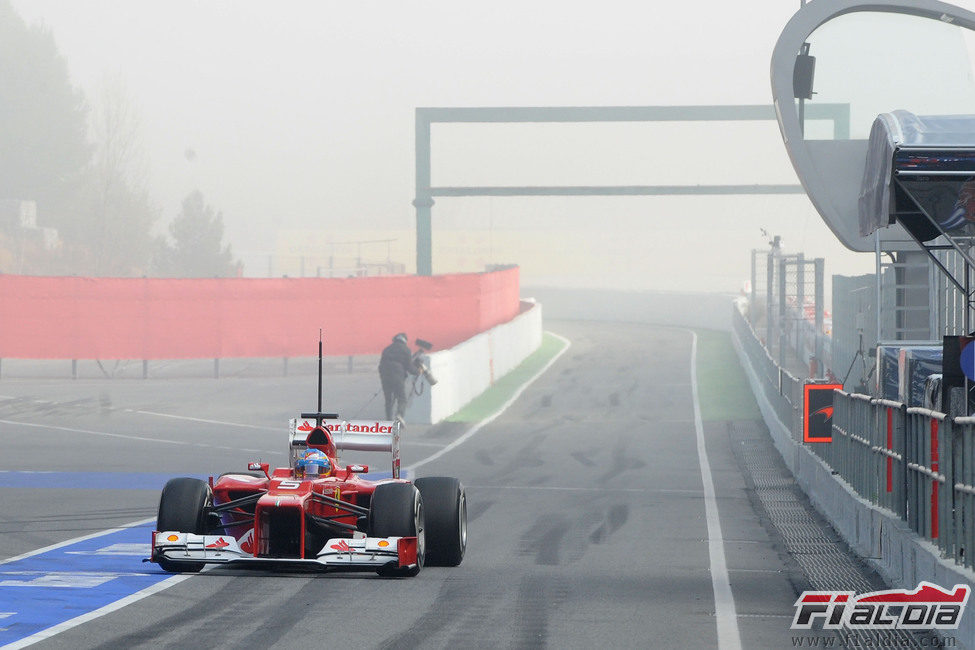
(64, 585)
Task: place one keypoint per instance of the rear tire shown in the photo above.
(445, 514)
(397, 511)
(184, 507)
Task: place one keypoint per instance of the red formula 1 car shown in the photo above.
(315, 514)
(294, 518)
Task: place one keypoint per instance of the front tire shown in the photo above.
(445, 512)
(397, 511)
(183, 507)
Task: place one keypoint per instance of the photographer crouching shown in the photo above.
(396, 363)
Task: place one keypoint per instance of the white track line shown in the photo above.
(467, 435)
(729, 637)
(141, 522)
(160, 415)
(127, 437)
(111, 607)
(107, 609)
(93, 433)
(203, 420)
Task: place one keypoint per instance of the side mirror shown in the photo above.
(357, 469)
(259, 467)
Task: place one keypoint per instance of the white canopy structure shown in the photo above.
(920, 171)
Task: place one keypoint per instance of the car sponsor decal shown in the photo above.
(247, 542)
(354, 426)
(220, 543)
(82, 576)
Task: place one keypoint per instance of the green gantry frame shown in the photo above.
(838, 113)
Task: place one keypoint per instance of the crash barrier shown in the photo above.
(872, 448)
(782, 389)
(158, 318)
(868, 449)
(914, 462)
(907, 474)
(468, 369)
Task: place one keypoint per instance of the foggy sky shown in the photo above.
(299, 115)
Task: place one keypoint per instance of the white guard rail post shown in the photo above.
(889, 444)
(928, 504)
(963, 487)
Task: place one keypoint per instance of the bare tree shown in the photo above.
(115, 228)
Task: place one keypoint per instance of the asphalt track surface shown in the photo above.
(586, 503)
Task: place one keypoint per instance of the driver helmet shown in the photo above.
(401, 337)
(313, 464)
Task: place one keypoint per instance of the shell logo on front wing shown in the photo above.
(247, 542)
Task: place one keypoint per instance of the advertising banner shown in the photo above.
(817, 421)
(158, 318)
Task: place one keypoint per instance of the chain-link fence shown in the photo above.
(790, 311)
(327, 259)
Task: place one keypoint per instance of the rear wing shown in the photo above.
(353, 435)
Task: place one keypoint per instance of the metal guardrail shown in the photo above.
(916, 463)
(962, 482)
(782, 389)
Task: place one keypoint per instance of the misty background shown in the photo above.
(249, 138)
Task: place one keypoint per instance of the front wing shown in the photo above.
(338, 554)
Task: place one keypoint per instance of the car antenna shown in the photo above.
(319, 411)
(318, 415)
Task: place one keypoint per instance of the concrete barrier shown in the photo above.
(695, 310)
(876, 534)
(469, 368)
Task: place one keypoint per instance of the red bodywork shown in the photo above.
(282, 522)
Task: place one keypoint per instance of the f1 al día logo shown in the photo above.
(929, 607)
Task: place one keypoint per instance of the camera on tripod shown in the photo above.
(421, 361)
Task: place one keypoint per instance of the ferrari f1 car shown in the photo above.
(315, 514)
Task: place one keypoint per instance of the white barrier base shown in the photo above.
(469, 368)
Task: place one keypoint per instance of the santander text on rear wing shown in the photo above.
(351, 435)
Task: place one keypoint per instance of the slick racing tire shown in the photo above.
(397, 511)
(183, 507)
(445, 515)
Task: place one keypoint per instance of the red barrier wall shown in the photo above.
(154, 318)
